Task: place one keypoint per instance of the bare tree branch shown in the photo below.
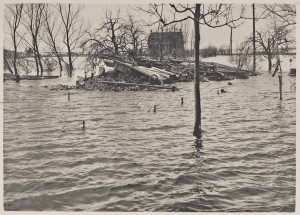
(72, 30)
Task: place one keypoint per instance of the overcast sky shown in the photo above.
(215, 36)
(95, 13)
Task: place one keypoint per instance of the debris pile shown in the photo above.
(128, 74)
(118, 81)
(142, 72)
(208, 71)
(101, 84)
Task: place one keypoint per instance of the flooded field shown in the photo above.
(129, 159)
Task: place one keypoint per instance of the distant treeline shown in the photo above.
(262, 53)
(210, 51)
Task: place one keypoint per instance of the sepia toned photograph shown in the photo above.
(149, 107)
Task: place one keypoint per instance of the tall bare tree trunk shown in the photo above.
(70, 63)
(69, 56)
(36, 60)
(197, 127)
(39, 59)
(15, 57)
(60, 64)
(270, 62)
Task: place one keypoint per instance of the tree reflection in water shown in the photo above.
(202, 186)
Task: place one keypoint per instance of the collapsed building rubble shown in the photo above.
(114, 73)
(143, 72)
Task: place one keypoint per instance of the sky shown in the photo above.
(215, 36)
(94, 14)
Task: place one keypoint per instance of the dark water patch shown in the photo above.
(120, 113)
(159, 128)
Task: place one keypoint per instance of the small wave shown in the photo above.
(120, 113)
(162, 128)
(185, 179)
(125, 187)
(248, 191)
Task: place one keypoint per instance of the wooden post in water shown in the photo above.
(68, 96)
(83, 125)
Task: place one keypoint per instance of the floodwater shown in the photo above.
(129, 159)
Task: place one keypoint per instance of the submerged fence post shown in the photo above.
(83, 125)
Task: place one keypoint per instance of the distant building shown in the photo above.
(171, 43)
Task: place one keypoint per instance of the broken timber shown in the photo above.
(160, 74)
(173, 88)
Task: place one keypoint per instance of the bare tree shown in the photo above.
(95, 49)
(274, 40)
(112, 38)
(72, 30)
(52, 27)
(33, 23)
(7, 60)
(13, 19)
(243, 57)
(113, 32)
(285, 12)
(135, 34)
(212, 15)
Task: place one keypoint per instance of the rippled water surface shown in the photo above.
(129, 159)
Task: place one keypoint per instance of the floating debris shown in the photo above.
(61, 87)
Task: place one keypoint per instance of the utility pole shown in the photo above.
(254, 51)
(192, 44)
(279, 73)
(230, 41)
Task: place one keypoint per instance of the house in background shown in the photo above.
(166, 44)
